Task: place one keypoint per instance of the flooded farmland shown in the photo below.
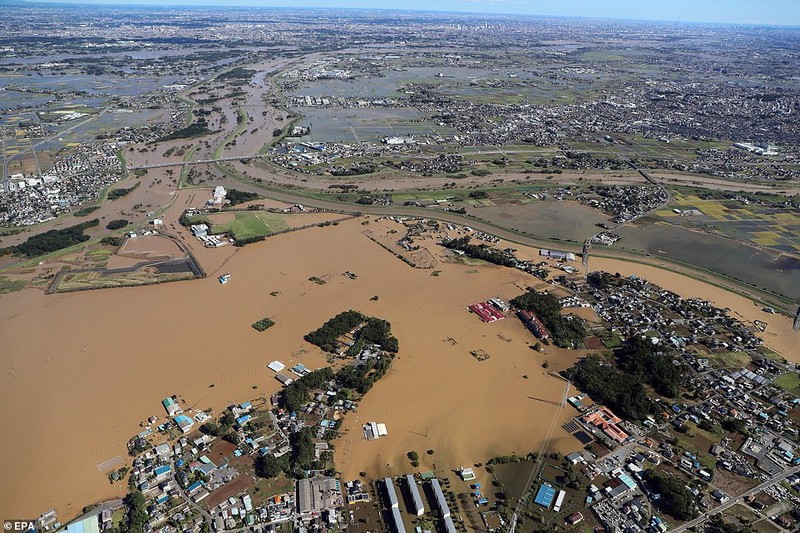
(180, 338)
(763, 268)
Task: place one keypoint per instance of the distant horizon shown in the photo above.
(784, 13)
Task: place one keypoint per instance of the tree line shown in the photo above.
(52, 240)
(481, 251)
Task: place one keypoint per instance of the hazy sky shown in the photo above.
(786, 12)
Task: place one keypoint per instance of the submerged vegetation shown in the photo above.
(567, 330)
(52, 240)
(370, 331)
(263, 324)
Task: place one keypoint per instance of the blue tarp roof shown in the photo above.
(545, 495)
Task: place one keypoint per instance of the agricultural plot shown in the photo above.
(769, 227)
(358, 125)
(248, 224)
(789, 382)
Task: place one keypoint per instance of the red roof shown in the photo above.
(486, 311)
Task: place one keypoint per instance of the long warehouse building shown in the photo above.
(416, 498)
(391, 494)
(398, 521)
(441, 502)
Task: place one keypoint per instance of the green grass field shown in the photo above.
(247, 225)
(730, 359)
(789, 382)
(7, 285)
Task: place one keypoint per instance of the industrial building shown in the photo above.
(449, 526)
(545, 495)
(486, 311)
(416, 499)
(391, 494)
(555, 254)
(533, 323)
(559, 501)
(397, 521)
(316, 495)
(441, 501)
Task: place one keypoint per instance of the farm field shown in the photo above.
(769, 227)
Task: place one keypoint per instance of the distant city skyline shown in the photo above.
(766, 12)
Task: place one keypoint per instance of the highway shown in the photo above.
(733, 501)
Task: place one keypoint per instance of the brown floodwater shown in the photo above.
(79, 372)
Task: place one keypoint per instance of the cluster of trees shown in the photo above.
(482, 251)
(638, 357)
(195, 129)
(117, 224)
(82, 212)
(236, 197)
(111, 241)
(295, 395)
(675, 497)
(355, 170)
(263, 324)
(220, 428)
(238, 73)
(300, 460)
(623, 393)
(373, 331)
(248, 240)
(119, 193)
(567, 331)
(600, 280)
(136, 515)
(361, 378)
(52, 240)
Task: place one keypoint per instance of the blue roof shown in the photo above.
(545, 495)
(179, 463)
(183, 419)
(242, 419)
(162, 470)
(625, 478)
(194, 486)
(246, 405)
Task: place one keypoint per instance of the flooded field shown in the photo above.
(387, 86)
(763, 268)
(357, 125)
(437, 396)
(560, 220)
(153, 336)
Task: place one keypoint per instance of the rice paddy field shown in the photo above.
(358, 125)
(775, 228)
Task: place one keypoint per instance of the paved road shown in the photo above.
(733, 501)
(110, 504)
(185, 496)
